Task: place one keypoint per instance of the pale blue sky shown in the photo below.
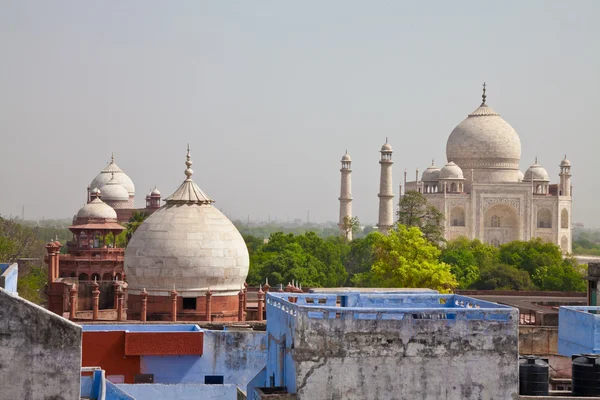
(271, 93)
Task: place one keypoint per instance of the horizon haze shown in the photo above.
(269, 95)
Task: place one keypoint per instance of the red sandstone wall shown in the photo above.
(164, 343)
(107, 350)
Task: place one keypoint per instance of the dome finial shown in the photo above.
(188, 172)
(112, 157)
(536, 159)
(483, 96)
(432, 162)
(386, 139)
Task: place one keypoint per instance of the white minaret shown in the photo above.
(386, 192)
(346, 195)
(565, 177)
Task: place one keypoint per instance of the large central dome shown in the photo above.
(485, 141)
(187, 245)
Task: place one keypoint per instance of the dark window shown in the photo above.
(143, 378)
(213, 379)
(189, 303)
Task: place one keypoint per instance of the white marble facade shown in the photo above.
(485, 196)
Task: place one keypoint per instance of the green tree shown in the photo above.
(545, 264)
(503, 277)
(350, 225)
(306, 258)
(136, 219)
(467, 257)
(405, 258)
(414, 210)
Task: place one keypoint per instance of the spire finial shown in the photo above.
(483, 96)
(386, 139)
(432, 162)
(188, 172)
(536, 159)
(112, 157)
(565, 156)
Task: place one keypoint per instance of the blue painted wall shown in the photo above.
(180, 392)
(237, 356)
(578, 330)
(283, 318)
(9, 274)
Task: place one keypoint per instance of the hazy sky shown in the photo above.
(269, 94)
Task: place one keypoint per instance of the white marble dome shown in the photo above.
(96, 209)
(386, 146)
(431, 174)
(484, 140)
(536, 173)
(565, 162)
(451, 171)
(113, 191)
(121, 177)
(346, 157)
(188, 245)
(521, 176)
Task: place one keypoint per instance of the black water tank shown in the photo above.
(586, 374)
(533, 376)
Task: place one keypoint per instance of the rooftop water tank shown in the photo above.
(586, 375)
(533, 376)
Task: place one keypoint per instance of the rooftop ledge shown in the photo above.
(162, 328)
(388, 306)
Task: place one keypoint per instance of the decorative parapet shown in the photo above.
(386, 306)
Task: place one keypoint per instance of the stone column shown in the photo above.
(73, 299)
(386, 191)
(241, 306)
(174, 305)
(261, 305)
(120, 304)
(95, 300)
(144, 299)
(245, 296)
(345, 195)
(116, 290)
(208, 305)
(267, 286)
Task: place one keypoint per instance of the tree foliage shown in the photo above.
(306, 258)
(405, 258)
(415, 211)
(466, 259)
(351, 225)
(136, 219)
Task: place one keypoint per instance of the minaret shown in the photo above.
(386, 192)
(346, 195)
(565, 177)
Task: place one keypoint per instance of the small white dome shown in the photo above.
(386, 147)
(565, 162)
(431, 174)
(346, 157)
(121, 177)
(451, 171)
(536, 173)
(96, 209)
(96, 191)
(155, 192)
(113, 191)
(521, 176)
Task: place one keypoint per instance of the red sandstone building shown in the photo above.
(186, 261)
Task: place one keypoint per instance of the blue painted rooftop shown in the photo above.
(3, 267)
(142, 328)
(578, 330)
(387, 306)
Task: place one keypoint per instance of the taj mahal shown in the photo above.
(481, 191)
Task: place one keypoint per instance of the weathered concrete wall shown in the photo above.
(237, 356)
(406, 359)
(375, 346)
(40, 352)
(180, 392)
(538, 340)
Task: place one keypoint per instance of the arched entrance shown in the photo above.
(501, 224)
